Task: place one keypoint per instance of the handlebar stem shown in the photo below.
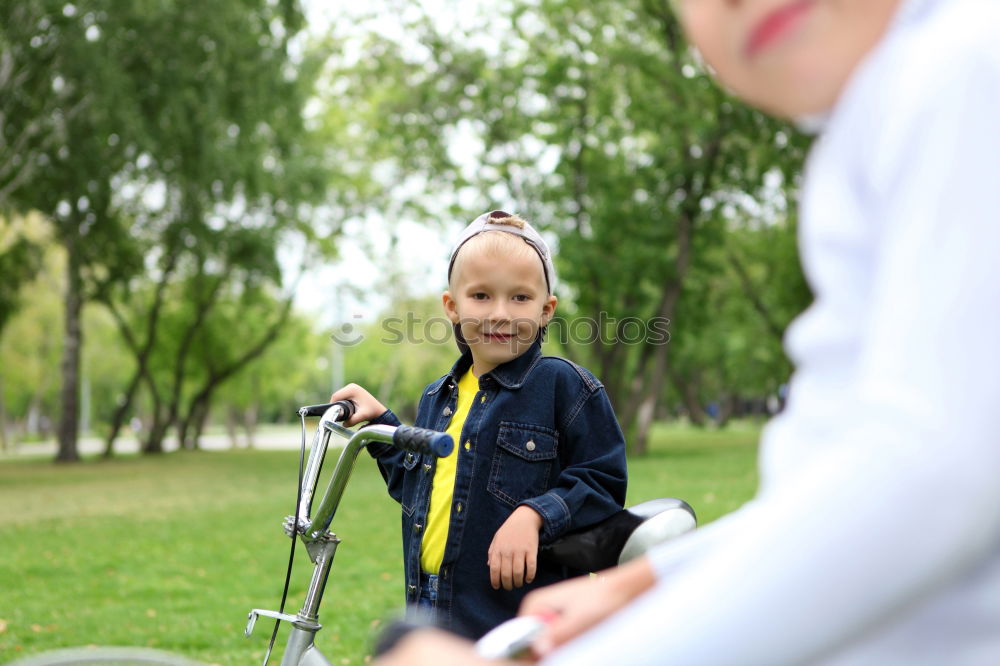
(317, 525)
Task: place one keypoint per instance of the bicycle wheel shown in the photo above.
(96, 656)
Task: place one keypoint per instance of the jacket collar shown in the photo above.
(513, 373)
(510, 375)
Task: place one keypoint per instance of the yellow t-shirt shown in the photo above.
(443, 488)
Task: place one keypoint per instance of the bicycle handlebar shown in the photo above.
(408, 438)
(347, 409)
(421, 440)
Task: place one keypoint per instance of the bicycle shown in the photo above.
(313, 530)
(623, 536)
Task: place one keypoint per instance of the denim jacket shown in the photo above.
(541, 433)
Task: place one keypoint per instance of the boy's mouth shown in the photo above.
(776, 25)
(497, 337)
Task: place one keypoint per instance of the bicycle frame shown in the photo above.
(648, 524)
(314, 532)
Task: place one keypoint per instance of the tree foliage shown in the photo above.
(596, 120)
(181, 154)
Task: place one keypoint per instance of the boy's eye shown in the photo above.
(522, 298)
(480, 296)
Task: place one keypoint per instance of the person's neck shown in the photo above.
(477, 369)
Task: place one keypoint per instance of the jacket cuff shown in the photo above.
(376, 449)
(554, 513)
(386, 418)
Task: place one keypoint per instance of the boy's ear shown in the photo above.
(450, 307)
(549, 309)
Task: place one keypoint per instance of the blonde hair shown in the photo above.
(510, 220)
(496, 243)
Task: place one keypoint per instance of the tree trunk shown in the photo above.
(158, 425)
(753, 294)
(118, 418)
(643, 422)
(199, 424)
(250, 423)
(647, 408)
(69, 412)
(189, 429)
(173, 409)
(157, 433)
(728, 408)
(141, 354)
(689, 396)
(233, 418)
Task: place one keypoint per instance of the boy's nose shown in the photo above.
(500, 312)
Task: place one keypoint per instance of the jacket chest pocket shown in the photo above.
(523, 463)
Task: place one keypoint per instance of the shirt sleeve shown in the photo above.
(906, 499)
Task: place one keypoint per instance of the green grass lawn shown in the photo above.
(172, 552)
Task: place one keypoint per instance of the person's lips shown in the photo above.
(776, 25)
(498, 337)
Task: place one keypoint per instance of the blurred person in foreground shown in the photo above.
(875, 535)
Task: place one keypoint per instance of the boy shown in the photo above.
(875, 536)
(538, 449)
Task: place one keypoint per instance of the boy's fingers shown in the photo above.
(343, 393)
(531, 567)
(506, 571)
(494, 563)
(518, 570)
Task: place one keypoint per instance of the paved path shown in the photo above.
(267, 437)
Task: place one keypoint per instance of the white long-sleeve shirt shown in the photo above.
(875, 535)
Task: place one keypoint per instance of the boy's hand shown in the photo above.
(368, 407)
(513, 554)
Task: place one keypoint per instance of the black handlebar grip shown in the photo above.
(421, 440)
(347, 409)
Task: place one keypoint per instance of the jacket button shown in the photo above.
(483, 399)
(447, 411)
(417, 527)
(427, 467)
(412, 589)
(530, 445)
(468, 444)
(458, 508)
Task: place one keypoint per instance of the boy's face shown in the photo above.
(789, 57)
(499, 301)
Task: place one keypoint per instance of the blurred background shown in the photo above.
(212, 213)
(208, 210)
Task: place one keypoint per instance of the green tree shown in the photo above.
(726, 342)
(20, 260)
(292, 372)
(183, 117)
(596, 120)
(29, 355)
